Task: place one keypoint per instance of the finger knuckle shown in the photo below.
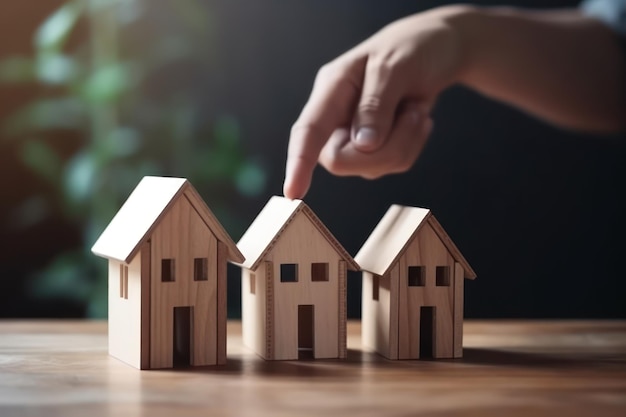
(340, 75)
(305, 128)
(381, 66)
(327, 72)
(370, 104)
(387, 66)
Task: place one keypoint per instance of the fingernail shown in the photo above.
(366, 136)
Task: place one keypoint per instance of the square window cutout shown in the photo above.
(417, 276)
(319, 271)
(288, 272)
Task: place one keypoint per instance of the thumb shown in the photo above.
(375, 113)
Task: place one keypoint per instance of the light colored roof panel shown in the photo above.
(136, 217)
(394, 232)
(265, 228)
(390, 236)
(269, 224)
(141, 212)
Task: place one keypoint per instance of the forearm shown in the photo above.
(558, 65)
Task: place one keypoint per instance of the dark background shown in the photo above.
(537, 211)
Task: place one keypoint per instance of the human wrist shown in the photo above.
(464, 20)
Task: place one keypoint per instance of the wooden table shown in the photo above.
(510, 368)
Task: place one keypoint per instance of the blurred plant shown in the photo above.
(131, 92)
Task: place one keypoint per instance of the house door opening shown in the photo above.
(182, 336)
(306, 328)
(427, 332)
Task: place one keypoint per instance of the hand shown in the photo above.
(368, 113)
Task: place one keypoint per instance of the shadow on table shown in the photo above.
(504, 358)
(358, 363)
(304, 367)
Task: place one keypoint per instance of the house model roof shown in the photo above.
(259, 239)
(149, 201)
(394, 232)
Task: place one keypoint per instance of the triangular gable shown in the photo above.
(266, 228)
(140, 214)
(394, 232)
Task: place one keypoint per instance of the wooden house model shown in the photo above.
(412, 305)
(167, 277)
(293, 284)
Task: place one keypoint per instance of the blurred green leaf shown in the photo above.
(124, 141)
(16, 69)
(47, 114)
(107, 83)
(79, 177)
(131, 124)
(52, 34)
(41, 159)
(251, 179)
(55, 68)
(121, 142)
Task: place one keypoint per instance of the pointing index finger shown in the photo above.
(335, 93)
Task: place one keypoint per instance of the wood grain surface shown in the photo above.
(509, 368)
